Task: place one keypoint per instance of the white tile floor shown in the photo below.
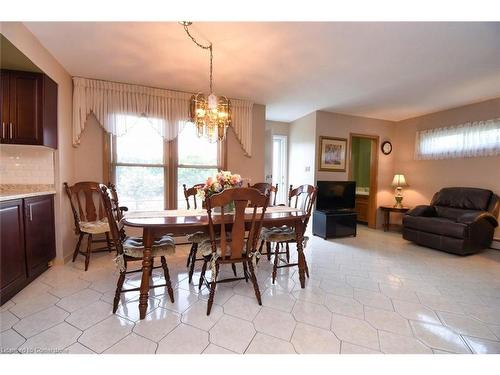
(375, 293)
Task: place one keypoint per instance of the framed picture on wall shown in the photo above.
(332, 154)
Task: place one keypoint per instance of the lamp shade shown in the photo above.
(399, 181)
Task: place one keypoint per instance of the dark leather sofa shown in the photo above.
(459, 220)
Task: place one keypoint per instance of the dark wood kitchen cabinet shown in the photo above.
(39, 233)
(29, 108)
(27, 242)
(12, 255)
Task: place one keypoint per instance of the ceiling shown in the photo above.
(382, 70)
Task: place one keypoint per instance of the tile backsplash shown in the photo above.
(26, 165)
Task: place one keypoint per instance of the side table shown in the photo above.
(387, 212)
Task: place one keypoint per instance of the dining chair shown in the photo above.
(197, 237)
(237, 247)
(266, 188)
(89, 217)
(118, 210)
(303, 198)
(132, 249)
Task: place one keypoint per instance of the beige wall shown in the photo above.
(301, 150)
(249, 167)
(89, 154)
(26, 42)
(278, 127)
(339, 125)
(425, 177)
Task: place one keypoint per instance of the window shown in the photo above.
(140, 166)
(197, 159)
(472, 139)
(143, 163)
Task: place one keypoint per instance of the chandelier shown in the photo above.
(211, 114)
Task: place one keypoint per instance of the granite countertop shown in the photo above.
(15, 191)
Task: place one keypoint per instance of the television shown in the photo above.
(336, 195)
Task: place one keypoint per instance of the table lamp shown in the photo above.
(399, 182)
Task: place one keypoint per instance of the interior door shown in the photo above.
(40, 241)
(280, 167)
(12, 255)
(25, 105)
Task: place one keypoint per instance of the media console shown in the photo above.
(334, 223)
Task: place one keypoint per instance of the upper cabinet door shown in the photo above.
(4, 106)
(25, 120)
(49, 112)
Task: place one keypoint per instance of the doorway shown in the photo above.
(363, 168)
(280, 167)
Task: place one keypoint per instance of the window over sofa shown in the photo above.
(471, 139)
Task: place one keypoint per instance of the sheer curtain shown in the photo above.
(112, 103)
(472, 139)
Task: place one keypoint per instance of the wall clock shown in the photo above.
(386, 147)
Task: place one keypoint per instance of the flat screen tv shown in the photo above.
(336, 195)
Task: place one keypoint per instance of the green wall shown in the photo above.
(361, 149)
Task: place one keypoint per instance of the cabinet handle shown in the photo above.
(10, 128)
(31, 212)
(3, 130)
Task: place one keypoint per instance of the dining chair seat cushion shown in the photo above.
(281, 234)
(198, 237)
(94, 227)
(134, 247)
(206, 247)
(278, 234)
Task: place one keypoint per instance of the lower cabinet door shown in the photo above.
(12, 251)
(40, 233)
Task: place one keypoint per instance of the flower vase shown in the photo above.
(228, 208)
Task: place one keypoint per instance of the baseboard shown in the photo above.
(495, 244)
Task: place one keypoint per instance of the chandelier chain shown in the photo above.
(209, 47)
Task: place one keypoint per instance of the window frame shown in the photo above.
(170, 165)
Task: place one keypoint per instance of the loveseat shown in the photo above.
(459, 220)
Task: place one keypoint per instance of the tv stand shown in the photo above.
(334, 223)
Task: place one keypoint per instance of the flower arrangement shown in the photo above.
(221, 181)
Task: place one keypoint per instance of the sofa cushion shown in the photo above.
(464, 198)
(451, 213)
(436, 225)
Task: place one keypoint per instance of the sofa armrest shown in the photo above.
(473, 217)
(422, 210)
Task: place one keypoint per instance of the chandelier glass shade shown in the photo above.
(211, 114)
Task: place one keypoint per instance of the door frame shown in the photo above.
(284, 140)
(372, 200)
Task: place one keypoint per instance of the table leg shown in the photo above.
(386, 220)
(300, 249)
(146, 270)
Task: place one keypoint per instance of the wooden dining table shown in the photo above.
(183, 222)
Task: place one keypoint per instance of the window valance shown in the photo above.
(471, 139)
(107, 101)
